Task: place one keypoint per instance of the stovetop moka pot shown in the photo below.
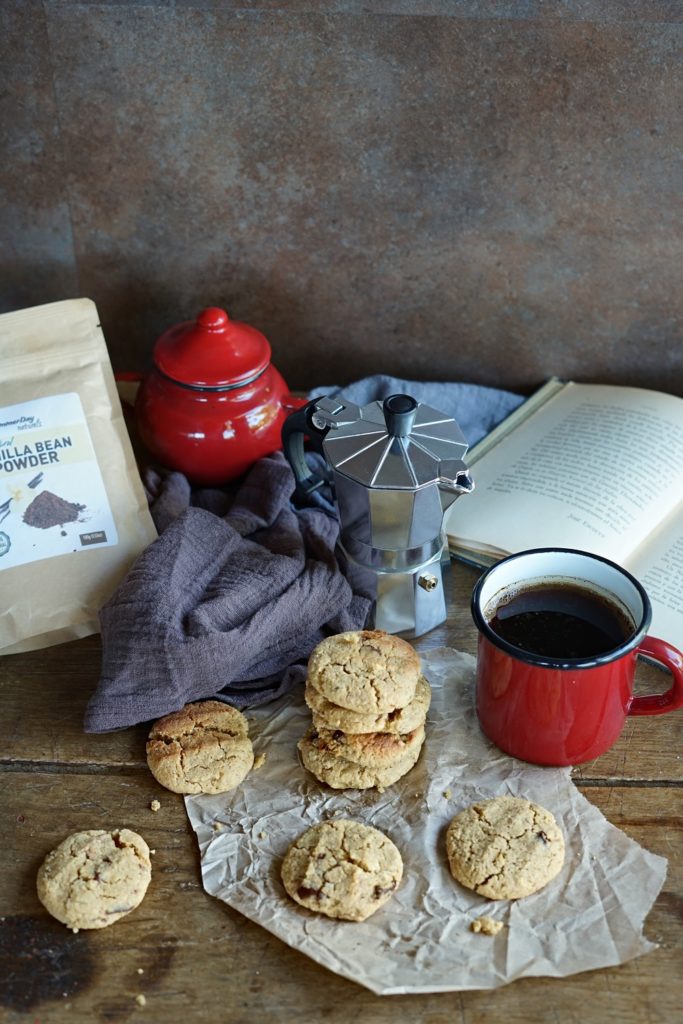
(395, 467)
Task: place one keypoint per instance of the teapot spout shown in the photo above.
(455, 480)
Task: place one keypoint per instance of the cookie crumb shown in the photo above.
(448, 793)
(140, 1000)
(218, 826)
(259, 761)
(155, 805)
(141, 970)
(152, 852)
(486, 925)
(75, 930)
(263, 835)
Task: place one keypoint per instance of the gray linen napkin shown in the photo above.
(240, 586)
(231, 603)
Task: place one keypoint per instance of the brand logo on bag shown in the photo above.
(96, 537)
(21, 423)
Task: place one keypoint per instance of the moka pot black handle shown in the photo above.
(295, 429)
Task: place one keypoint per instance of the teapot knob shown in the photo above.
(213, 319)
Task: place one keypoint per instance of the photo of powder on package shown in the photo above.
(49, 509)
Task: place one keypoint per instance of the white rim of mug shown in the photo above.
(545, 661)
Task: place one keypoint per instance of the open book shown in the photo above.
(591, 466)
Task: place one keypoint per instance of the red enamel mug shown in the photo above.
(563, 706)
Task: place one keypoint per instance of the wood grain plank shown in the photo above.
(202, 961)
(44, 695)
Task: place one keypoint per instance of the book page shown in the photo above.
(659, 567)
(596, 467)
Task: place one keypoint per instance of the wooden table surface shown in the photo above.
(195, 959)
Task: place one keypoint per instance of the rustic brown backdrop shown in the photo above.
(438, 189)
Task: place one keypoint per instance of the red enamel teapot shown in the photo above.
(213, 403)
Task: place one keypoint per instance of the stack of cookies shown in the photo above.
(369, 703)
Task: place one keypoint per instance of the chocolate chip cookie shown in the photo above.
(343, 869)
(366, 671)
(340, 773)
(326, 715)
(504, 848)
(203, 748)
(95, 878)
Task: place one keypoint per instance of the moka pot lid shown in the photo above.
(396, 444)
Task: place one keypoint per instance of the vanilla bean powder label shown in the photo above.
(52, 496)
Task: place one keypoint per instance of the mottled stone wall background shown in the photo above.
(486, 191)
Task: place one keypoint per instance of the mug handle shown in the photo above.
(670, 658)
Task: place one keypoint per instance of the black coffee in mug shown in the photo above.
(560, 620)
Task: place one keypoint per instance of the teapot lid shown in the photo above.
(398, 443)
(212, 351)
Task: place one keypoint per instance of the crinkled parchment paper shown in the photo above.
(591, 915)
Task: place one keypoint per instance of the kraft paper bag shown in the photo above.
(73, 512)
